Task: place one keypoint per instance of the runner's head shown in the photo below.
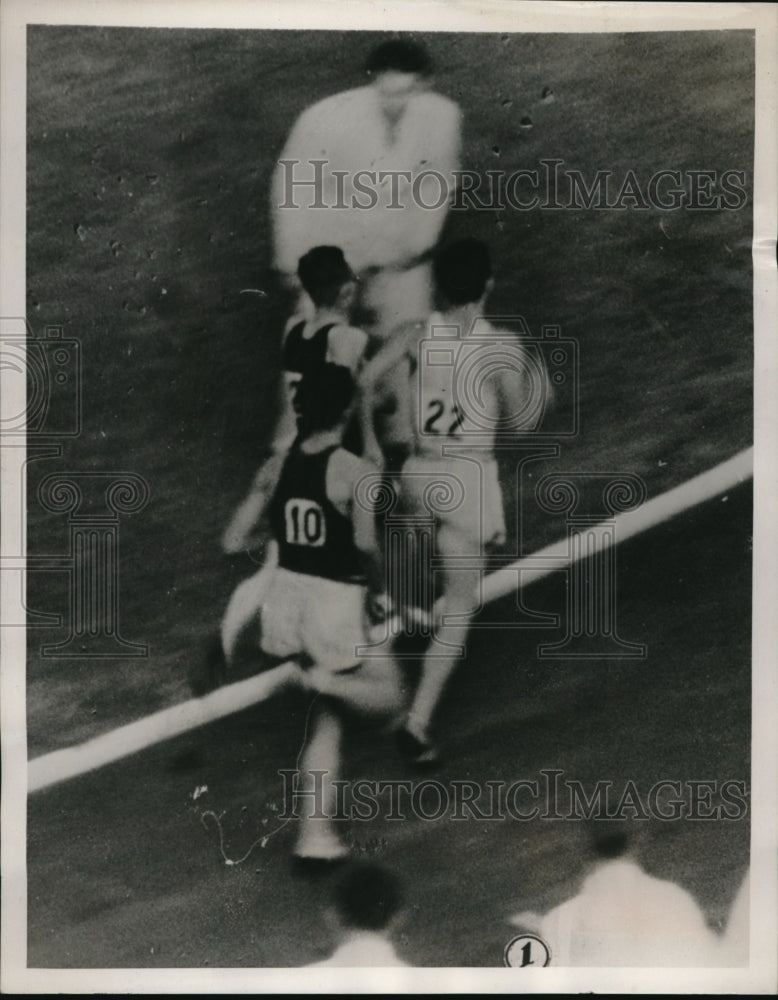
(366, 898)
(326, 277)
(609, 839)
(398, 68)
(463, 272)
(322, 399)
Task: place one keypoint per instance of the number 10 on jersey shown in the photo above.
(305, 523)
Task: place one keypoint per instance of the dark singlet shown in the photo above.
(313, 537)
(301, 354)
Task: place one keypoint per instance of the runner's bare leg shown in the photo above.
(322, 753)
(442, 655)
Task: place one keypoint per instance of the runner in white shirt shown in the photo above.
(466, 383)
(358, 156)
(623, 917)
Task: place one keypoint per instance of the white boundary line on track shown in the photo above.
(694, 491)
(70, 762)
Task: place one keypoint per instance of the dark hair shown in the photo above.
(462, 270)
(367, 897)
(322, 397)
(400, 55)
(323, 271)
(610, 843)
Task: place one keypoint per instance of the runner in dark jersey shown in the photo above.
(326, 337)
(314, 611)
(300, 353)
(313, 535)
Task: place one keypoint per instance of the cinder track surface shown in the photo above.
(125, 866)
(149, 158)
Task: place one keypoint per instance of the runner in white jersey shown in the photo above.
(372, 170)
(467, 383)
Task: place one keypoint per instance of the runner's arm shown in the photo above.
(241, 534)
(286, 424)
(400, 344)
(516, 387)
(366, 537)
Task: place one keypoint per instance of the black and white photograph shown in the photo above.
(389, 497)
